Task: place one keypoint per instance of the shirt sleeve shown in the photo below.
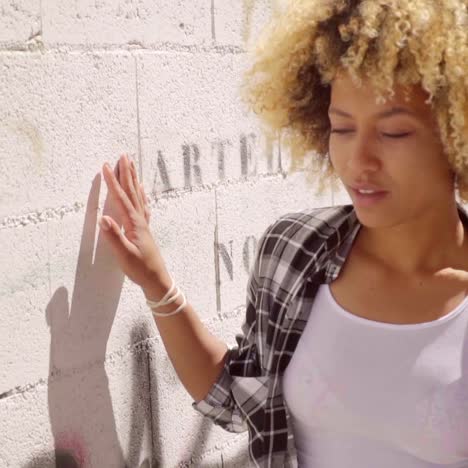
(242, 361)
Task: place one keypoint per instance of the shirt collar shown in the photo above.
(330, 258)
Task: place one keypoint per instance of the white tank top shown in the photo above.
(366, 394)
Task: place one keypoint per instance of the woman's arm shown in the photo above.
(197, 356)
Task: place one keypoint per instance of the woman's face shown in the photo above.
(400, 153)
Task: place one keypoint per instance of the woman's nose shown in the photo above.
(362, 156)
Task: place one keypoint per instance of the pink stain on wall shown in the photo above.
(71, 443)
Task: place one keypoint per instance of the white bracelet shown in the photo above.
(164, 301)
(160, 314)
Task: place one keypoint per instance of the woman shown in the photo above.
(354, 348)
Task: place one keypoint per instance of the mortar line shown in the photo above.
(40, 19)
(48, 258)
(140, 161)
(163, 48)
(37, 217)
(213, 23)
(216, 257)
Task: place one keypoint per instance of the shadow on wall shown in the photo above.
(80, 409)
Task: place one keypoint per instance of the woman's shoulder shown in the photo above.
(305, 230)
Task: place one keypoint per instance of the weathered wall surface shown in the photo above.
(84, 377)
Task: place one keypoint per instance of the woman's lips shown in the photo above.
(368, 199)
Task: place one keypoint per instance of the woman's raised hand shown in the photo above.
(135, 248)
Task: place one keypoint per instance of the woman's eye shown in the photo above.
(340, 131)
(396, 135)
(388, 135)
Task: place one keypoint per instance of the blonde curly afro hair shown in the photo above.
(409, 42)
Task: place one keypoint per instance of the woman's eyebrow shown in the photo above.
(387, 113)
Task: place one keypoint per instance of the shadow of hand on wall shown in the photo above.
(80, 406)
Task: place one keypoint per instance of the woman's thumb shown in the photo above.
(105, 223)
(114, 234)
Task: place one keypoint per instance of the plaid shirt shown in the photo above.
(296, 253)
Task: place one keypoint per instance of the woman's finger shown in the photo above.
(143, 194)
(117, 172)
(145, 203)
(117, 191)
(120, 244)
(126, 180)
(136, 184)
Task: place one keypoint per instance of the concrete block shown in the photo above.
(24, 259)
(184, 228)
(24, 294)
(143, 23)
(194, 128)
(60, 127)
(20, 23)
(26, 340)
(244, 212)
(181, 436)
(240, 23)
